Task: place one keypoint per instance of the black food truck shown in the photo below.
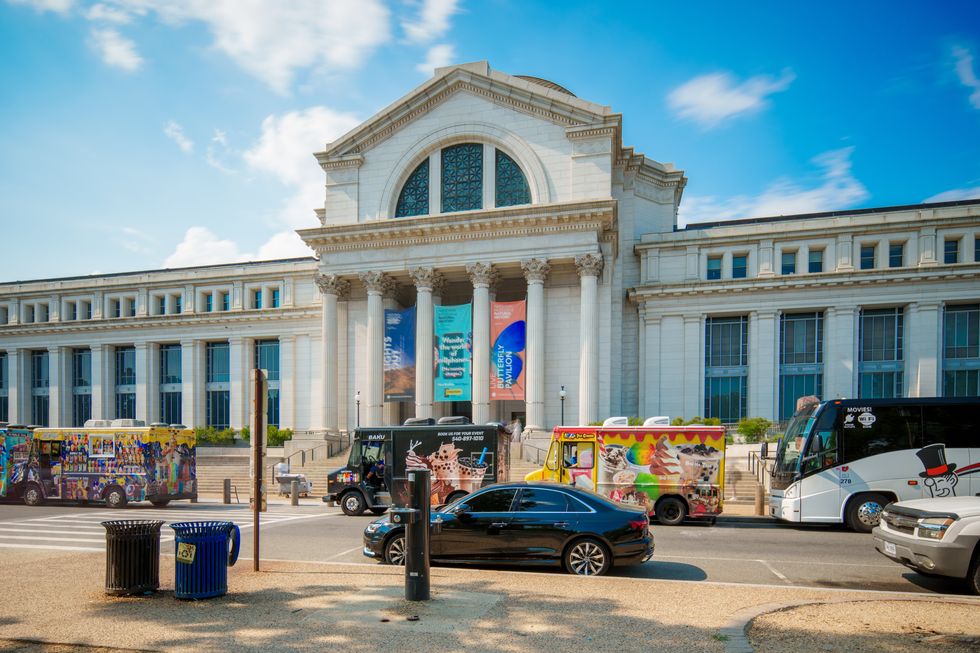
(462, 458)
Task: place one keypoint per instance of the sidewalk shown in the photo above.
(360, 607)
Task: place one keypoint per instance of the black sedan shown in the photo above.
(526, 524)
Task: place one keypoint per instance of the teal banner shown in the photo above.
(454, 352)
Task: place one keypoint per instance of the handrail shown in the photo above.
(761, 468)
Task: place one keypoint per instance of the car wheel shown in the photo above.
(864, 511)
(973, 576)
(379, 511)
(33, 496)
(352, 503)
(115, 497)
(671, 511)
(587, 557)
(395, 550)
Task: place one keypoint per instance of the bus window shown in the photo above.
(822, 450)
(954, 425)
(885, 429)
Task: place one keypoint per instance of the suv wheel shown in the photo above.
(973, 576)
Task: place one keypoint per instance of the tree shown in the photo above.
(753, 428)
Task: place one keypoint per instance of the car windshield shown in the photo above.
(788, 456)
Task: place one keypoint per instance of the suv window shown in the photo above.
(491, 501)
(880, 429)
(537, 500)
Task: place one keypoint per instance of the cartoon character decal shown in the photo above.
(940, 477)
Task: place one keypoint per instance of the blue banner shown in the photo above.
(454, 352)
(399, 353)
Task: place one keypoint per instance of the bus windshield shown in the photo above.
(791, 446)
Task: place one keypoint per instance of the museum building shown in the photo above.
(479, 188)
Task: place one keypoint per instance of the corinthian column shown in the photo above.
(427, 281)
(377, 284)
(331, 288)
(535, 271)
(589, 268)
(482, 275)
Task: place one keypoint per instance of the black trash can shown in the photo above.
(132, 556)
(204, 551)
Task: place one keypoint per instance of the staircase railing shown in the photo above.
(761, 468)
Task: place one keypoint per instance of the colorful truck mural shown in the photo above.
(672, 471)
(15, 446)
(114, 464)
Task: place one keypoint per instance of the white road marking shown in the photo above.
(5, 529)
(343, 553)
(781, 562)
(774, 571)
(56, 539)
(50, 547)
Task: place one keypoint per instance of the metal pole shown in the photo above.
(226, 491)
(417, 538)
(257, 465)
(294, 493)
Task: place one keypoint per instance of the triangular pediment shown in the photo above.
(543, 99)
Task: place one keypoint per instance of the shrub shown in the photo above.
(208, 435)
(635, 421)
(753, 428)
(275, 437)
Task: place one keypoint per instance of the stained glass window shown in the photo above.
(462, 177)
(414, 199)
(511, 186)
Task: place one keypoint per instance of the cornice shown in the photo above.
(857, 278)
(541, 219)
(337, 163)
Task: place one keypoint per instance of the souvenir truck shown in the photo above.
(461, 457)
(15, 445)
(116, 462)
(672, 471)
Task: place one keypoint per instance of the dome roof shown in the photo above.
(546, 84)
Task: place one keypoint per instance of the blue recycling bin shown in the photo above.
(204, 550)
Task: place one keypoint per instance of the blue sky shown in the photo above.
(139, 134)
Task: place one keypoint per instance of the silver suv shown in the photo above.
(937, 537)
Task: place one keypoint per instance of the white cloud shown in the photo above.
(964, 70)
(176, 133)
(285, 149)
(836, 188)
(218, 152)
(273, 40)
(135, 240)
(201, 246)
(437, 57)
(62, 7)
(955, 195)
(115, 49)
(286, 244)
(711, 99)
(105, 13)
(432, 21)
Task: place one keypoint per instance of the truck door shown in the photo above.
(578, 463)
(49, 467)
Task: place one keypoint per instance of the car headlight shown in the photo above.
(792, 491)
(934, 528)
(373, 527)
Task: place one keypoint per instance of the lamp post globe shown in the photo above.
(562, 394)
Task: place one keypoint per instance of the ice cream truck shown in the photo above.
(114, 461)
(672, 471)
(15, 445)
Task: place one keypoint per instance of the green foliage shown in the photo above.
(208, 435)
(594, 424)
(696, 421)
(712, 421)
(677, 421)
(245, 433)
(754, 428)
(635, 421)
(275, 437)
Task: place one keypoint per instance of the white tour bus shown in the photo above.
(842, 461)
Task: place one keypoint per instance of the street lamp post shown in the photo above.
(562, 395)
(357, 402)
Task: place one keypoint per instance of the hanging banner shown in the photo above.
(399, 355)
(508, 333)
(454, 352)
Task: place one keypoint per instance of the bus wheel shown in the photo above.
(864, 511)
(671, 511)
(352, 503)
(115, 497)
(33, 495)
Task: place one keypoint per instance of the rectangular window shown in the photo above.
(225, 301)
(125, 381)
(72, 311)
(800, 359)
(740, 266)
(726, 354)
(815, 263)
(275, 298)
(131, 307)
(714, 268)
(4, 315)
(39, 388)
(896, 255)
(218, 363)
(881, 361)
(161, 305)
(171, 391)
(209, 301)
(867, 257)
(789, 263)
(29, 314)
(218, 407)
(951, 251)
(4, 388)
(88, 310)
(976, 248)
(178, 304)
(961, 351)
(256, 299)
(267, 358)
(115, 306)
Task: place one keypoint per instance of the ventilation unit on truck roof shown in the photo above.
(659, 420)
(419, 421)
(128, 423)
(460, 419)
(616, 421)
(98, 423)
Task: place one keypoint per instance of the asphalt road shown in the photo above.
(730, 551)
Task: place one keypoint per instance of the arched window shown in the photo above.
(414, 198)
(463, 182)
(510, 186)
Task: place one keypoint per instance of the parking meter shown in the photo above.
(416, 520)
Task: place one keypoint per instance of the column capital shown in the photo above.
(331, 284)
(287, 337)
(924, 306)
(482, 274)
(535, 269)
(377, 282)
(427, 279)
(589, 265)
